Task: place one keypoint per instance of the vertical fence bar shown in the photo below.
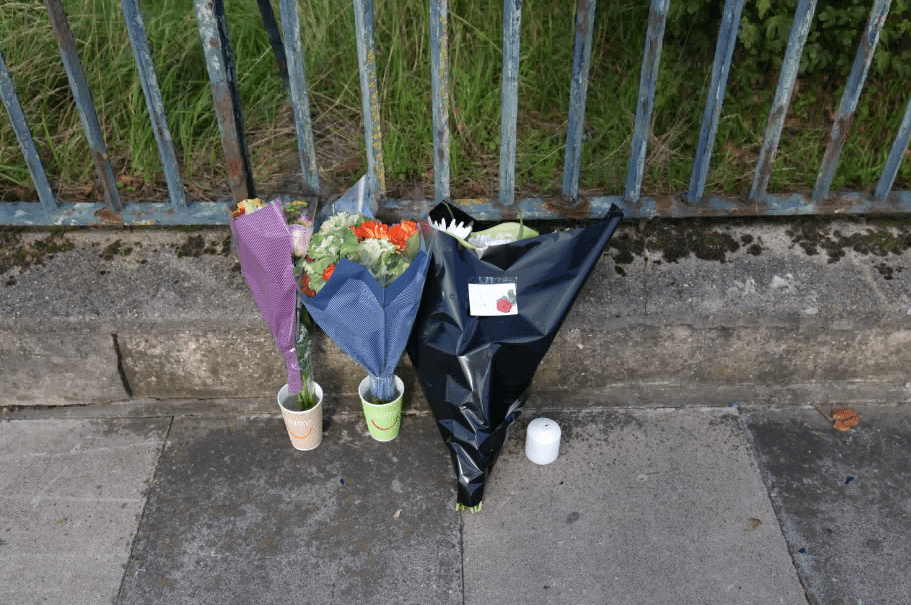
(370, 99)
(895, 156)
(439, 81)
(724, 51)
(300, 99)
(140, 42)
(582, 56)
(648, 79)
(849, 98)
(220, 65)
(509, 102)
(800, 28)
(24, 136)
(275, 39)
(84, 104)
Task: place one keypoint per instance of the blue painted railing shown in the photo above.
(288, 48)
(724, 51)
(648, 80)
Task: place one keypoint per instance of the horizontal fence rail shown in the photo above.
(288, 48)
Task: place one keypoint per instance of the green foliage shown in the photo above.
(832, 41)
(475, 52)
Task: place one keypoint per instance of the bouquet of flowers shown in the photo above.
(361, 282)
(384, 251)
(267, 238)
(493, 302)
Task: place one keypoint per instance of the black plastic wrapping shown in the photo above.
(476, 371)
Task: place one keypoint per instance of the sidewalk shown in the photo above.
(690, 505)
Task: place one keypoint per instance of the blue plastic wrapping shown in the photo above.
(368, 322)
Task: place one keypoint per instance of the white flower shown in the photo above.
(340, 221)
(459, 230)
(482, 240)
(329, 246)
(374, 250)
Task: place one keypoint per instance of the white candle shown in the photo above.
(542, 441)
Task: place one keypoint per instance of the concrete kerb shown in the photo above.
(173, 319)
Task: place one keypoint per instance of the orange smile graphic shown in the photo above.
(384, 429)
(298, 437)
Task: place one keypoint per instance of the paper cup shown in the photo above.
(383, 421)
(304, 428)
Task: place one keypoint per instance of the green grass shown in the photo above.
(402, 41)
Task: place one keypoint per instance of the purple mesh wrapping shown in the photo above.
(264, 247)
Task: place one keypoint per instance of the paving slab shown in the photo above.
(641, 506)
(71, 495)
(237, 515)
(843, 498)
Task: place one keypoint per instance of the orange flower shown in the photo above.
(328, 272)
(371, 229)
(401, 233)
(305, 285)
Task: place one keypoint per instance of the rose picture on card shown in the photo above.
(490, 299)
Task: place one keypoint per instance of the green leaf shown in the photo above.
(413, 246)
(317, 283)
(316, 268)
(763, 6)
(748, 35)
(516, 229)
(349, 246)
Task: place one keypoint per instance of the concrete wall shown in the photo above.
(676, 312)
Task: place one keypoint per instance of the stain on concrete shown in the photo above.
(880, 238)
(195, 246)
(673, 240)
(719, 240)
(17, 254)
(114, 249)
(198, 245)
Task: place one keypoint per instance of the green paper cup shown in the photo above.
(383, 421)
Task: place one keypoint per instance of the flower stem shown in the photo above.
(303, 345)
(472, 509)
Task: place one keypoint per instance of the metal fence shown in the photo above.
(695, 201)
